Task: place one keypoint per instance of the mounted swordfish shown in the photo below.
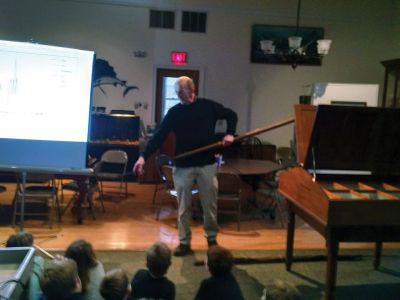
(104, 74)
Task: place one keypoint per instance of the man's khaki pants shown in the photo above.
(206, 181)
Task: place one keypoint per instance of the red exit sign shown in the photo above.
(178, 58)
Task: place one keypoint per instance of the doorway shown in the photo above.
(166, 98)
(165, 91)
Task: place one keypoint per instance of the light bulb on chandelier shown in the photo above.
(295, 52)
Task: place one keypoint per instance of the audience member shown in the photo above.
(222, 284)
(90, 270)
(60, 280)
(115, 285)
(280, 290)
(20, 239)
(25, 239)
(152, 283)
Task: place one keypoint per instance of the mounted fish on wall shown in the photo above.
(104, 74)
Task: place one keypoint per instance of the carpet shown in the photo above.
(356, 278)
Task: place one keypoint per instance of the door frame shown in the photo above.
(199, 88)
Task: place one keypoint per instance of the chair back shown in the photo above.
(35, 178)
(36, 182)
(115, 156)
(162, 160)
(251, 148)
(113, 161)
(285, 156)
(166, 173)
(230, 190)
(229, 183)
(39, 188)
(113, 164)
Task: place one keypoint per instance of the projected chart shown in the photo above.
(44, 90)
(8, 85)
(45, 101)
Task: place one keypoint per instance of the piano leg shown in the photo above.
(290, 239)
(378, 251)
(333, 248)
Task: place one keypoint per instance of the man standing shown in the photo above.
(193, 121)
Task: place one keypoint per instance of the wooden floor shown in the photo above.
(130, 224)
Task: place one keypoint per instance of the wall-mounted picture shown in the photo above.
(284, 44)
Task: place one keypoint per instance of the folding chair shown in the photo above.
(166, 175)
(230, 190)
(112, 167)
(92, 187)
(161, 160)
(37, 197)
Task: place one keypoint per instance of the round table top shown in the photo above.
(242, 166)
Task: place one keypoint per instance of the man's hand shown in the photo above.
(138, 168)
(228, 140)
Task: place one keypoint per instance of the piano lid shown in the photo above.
(355, 140)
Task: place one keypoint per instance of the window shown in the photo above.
(165, 89)
(194, 21)
(162, 19)
(170, 97)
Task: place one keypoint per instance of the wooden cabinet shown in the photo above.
(391, 94)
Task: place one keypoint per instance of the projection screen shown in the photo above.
(45, 101)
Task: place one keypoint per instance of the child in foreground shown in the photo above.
(222, 284)
(60, 280)
(25, 239)
(115, 285)
(152, 283)
(90, 269)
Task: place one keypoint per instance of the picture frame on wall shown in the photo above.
(269, 44)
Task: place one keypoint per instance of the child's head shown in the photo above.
(20, 239)
(60, 279)
(115, 285)
(82, 253)
(158, 259)
(280, 290)
(219, 261)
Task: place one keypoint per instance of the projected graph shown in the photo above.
(42, 85)
(8, 76)
(13, 82)
(45, 101)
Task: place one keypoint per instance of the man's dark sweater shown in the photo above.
(194, 127)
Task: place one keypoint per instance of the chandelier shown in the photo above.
(294, 51)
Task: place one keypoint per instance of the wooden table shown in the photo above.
(79, 175)
(248, 167)
(250, 171)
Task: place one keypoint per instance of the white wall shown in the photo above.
(363, 33)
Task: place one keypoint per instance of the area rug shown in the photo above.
(356, 277)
